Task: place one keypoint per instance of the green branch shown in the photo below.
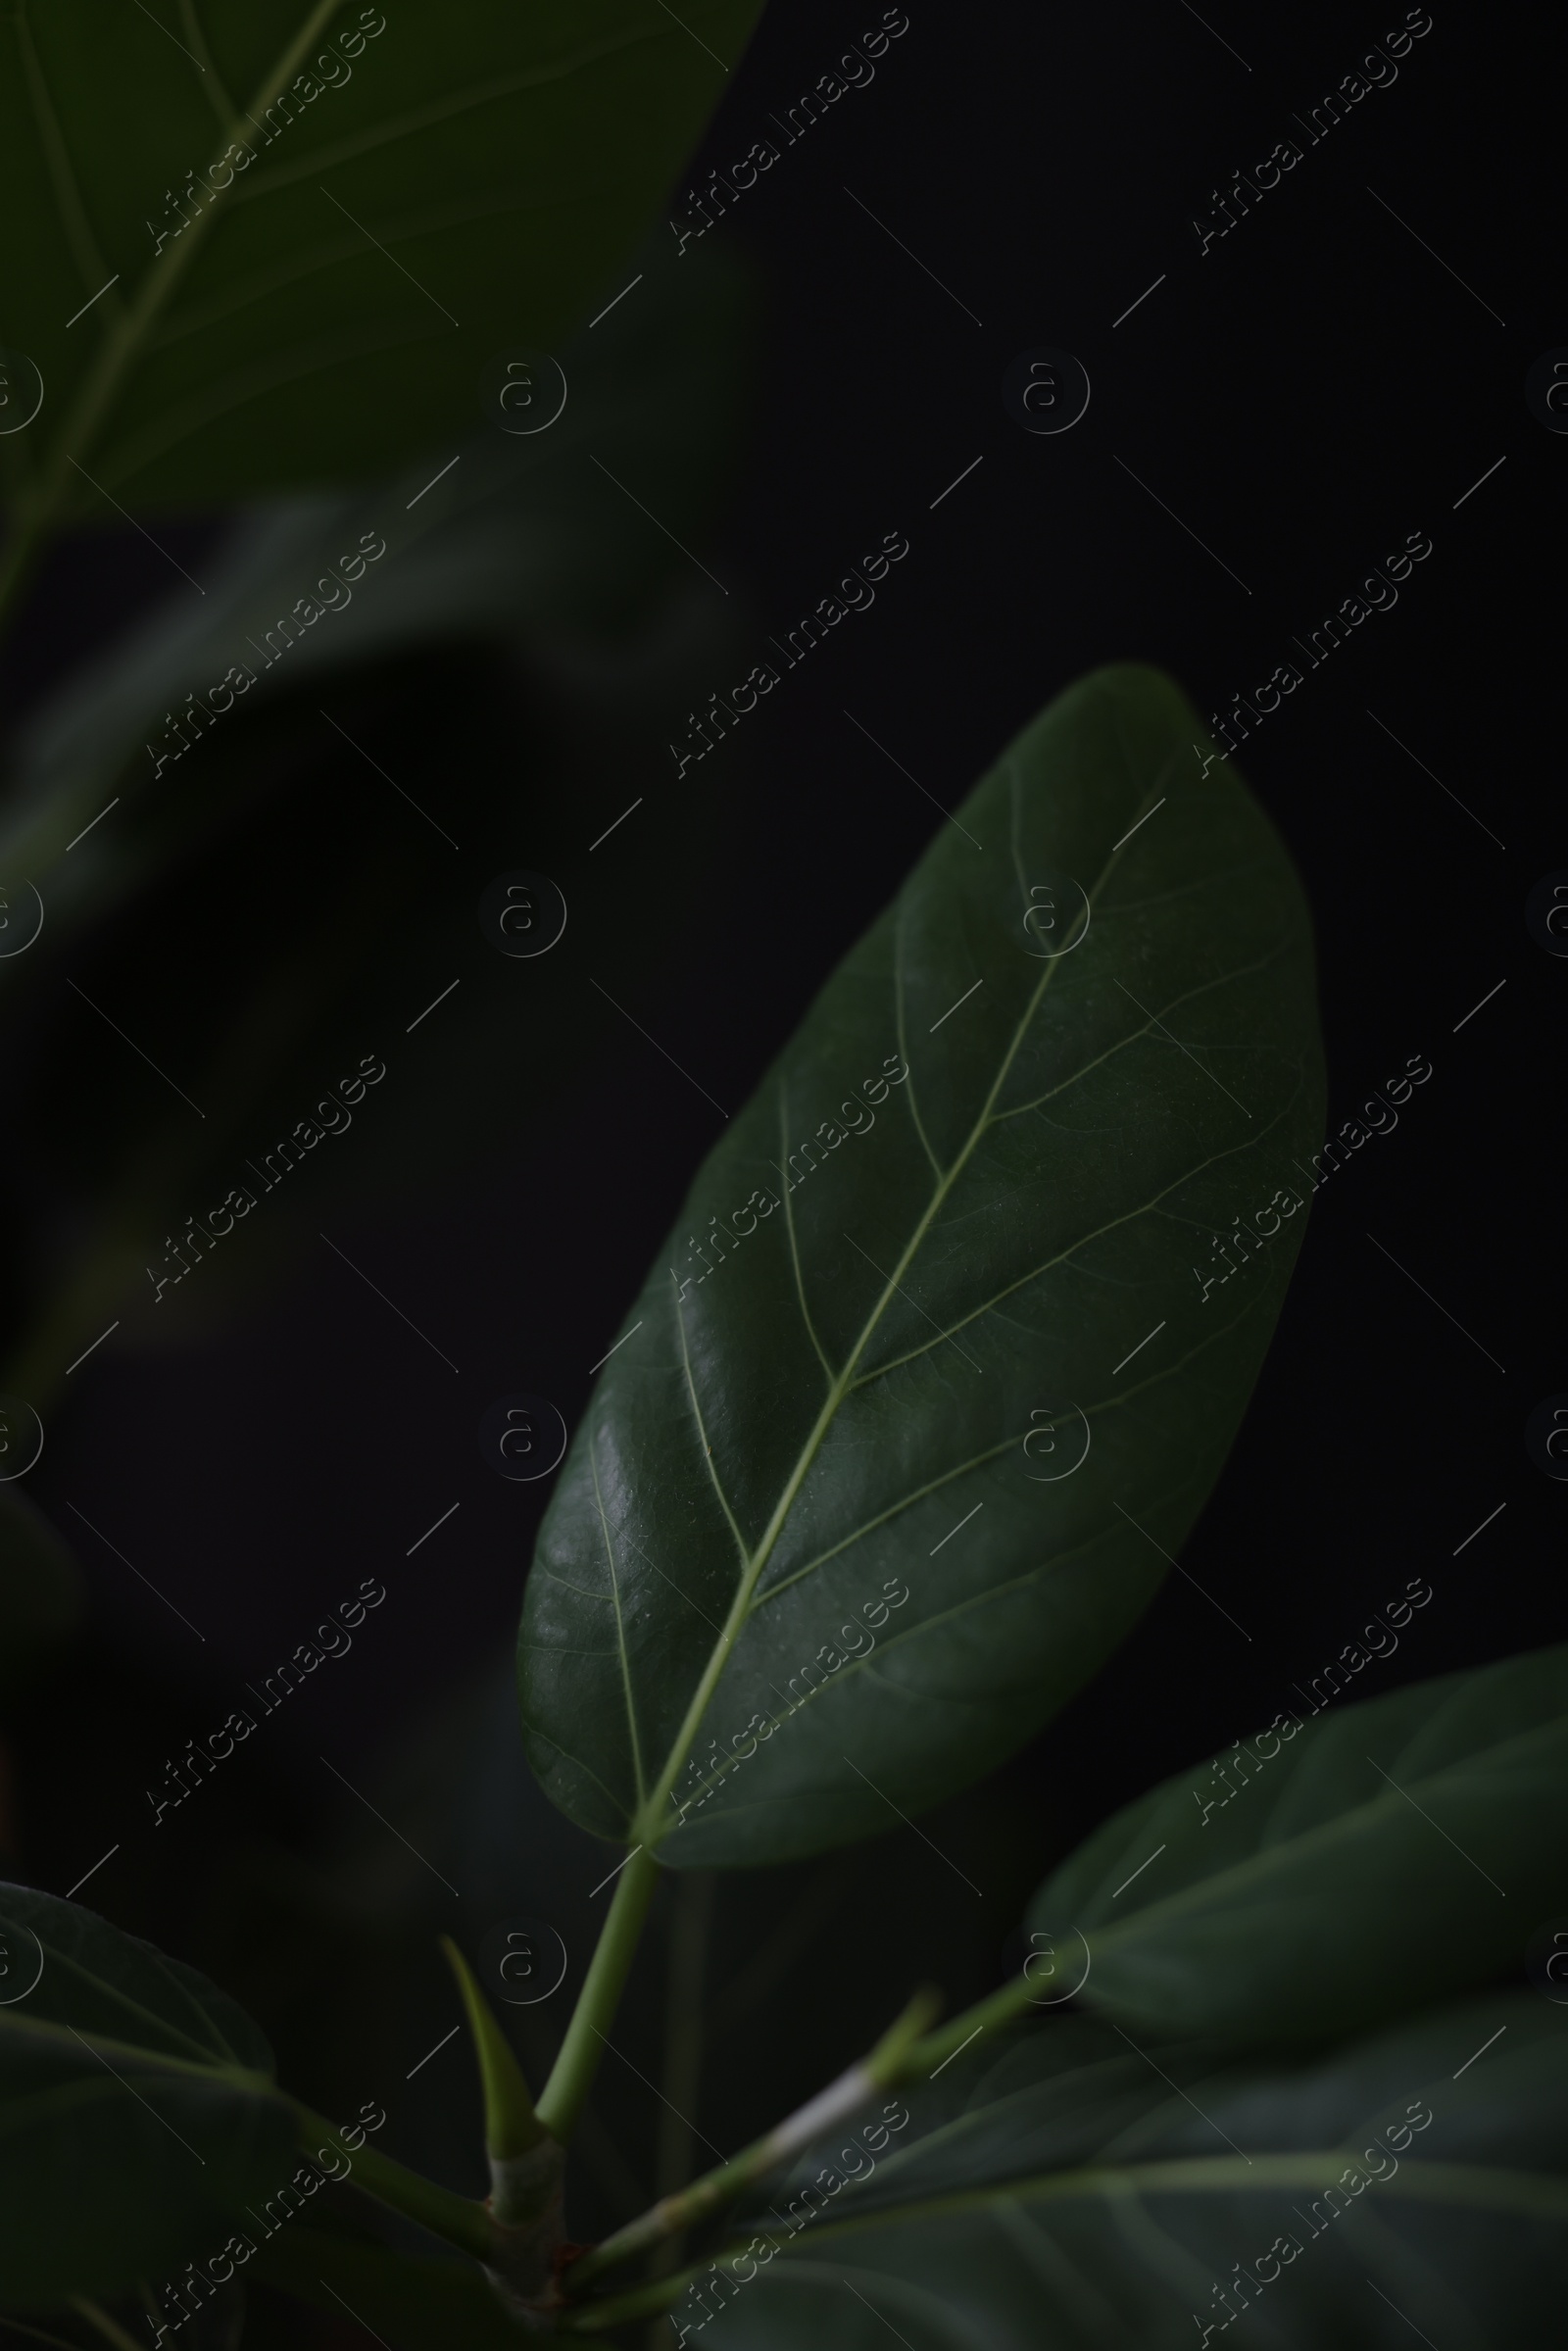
(561, 2100)
(457, 2219)
(1001, 2007)
(905, 2053)
(888, 2064)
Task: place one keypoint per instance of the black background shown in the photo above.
(1304, 395)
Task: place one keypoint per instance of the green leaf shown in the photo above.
(1362, 1863)
(98, 1981)
(373, 207)
(40, 1586)
(527, 538)
(137, 2114)
(1077, 2195)
(505, 664)
(828, 1546)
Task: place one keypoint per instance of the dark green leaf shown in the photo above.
(1407, 2183)
(506, 665)
(368, 221)
(527, 537)
(828, 1546)
(99, 1982)
(136, 2116)
(1362, 1863)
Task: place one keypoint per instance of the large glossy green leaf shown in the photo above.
(136, 2115)
(1330, 1871)
(1092, 2196)
(357, 210)
(828, 1544)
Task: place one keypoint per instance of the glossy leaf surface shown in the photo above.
(943, 1357)
(1331, 1872)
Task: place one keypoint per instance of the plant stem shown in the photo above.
(562, 2095)
(886, 2065)
(457, 2219)
(922, 2057)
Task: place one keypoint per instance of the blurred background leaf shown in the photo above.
(494, 695)
(304, 238)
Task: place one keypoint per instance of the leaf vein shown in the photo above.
(439, 110)
(620, 1630)
(1129, 1216)
(789, 1227)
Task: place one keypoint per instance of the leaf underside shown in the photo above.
(1320, 2203)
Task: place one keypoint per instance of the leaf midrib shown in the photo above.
(928, 1625)
(1489, 2186)
(1147, 1208)
(649, 1823)
(132, 330)
(1123, 1398)
(119, 354)
(1222, 979)
(865, 1662)
(224, 2075)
